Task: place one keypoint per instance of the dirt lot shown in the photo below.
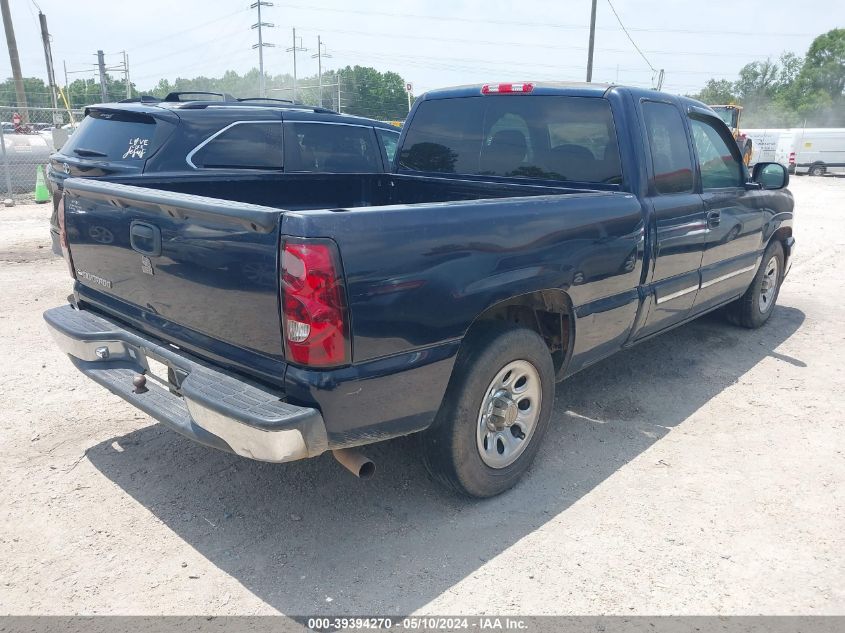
(699, 473)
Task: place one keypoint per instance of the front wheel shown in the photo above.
(495, 412)
(755, 307)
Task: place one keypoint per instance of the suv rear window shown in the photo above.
(116, 136)
(547, 137)
(331, 147)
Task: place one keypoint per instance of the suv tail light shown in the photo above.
(791, 158)
(63, 241)
(314, 313)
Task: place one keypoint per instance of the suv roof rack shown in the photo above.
(177, 96)
(141, 99)
(249, 103)
(265, 99)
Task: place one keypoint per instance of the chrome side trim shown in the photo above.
(293, 121)
(218, 133)
(675, 295)
(728, 276)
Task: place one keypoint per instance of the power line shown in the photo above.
(505, 43)
(631, 39)
(512, 23)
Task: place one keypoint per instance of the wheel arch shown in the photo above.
(548, 312)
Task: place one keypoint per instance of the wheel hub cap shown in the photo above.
(503, 411)
(508, 414)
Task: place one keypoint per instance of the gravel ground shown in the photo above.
(699, 473)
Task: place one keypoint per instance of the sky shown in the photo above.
(431, 43)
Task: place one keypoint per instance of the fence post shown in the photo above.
(6, 168)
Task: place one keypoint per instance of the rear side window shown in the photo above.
(667, 139)
(389, 140)
(556, 138)
(116, 136)
(247, 145)
(331, 147)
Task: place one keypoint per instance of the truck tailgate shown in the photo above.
(197, 271)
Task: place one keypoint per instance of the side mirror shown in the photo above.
(771, 175)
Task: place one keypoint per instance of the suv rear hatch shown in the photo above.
(113, 140)
(198, 272)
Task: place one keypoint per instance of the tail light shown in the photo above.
(314, 313)
(63, 241)
(791, 158)
(498, 89)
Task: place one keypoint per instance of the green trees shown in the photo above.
(790, 91)
(363, 90)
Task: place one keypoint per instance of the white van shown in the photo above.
(820, 151)
(764, 144)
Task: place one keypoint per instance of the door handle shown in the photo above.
(145, 238)
(713, 218)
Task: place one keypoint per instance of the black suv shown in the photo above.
(176, 136)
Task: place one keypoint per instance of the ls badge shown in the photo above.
(146, 265)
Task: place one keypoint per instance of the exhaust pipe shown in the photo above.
(355, 462)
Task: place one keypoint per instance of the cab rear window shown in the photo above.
(546, 137)
(115, 136)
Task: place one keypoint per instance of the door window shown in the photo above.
(719, 167)
(333, 148)
(670, 154)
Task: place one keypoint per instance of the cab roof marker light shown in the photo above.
(491, 89)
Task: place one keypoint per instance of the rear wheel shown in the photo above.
(755, 307)
(817, 170)
(495, 412)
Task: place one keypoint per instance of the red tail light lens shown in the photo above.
(314, 312)
(498, 89)
(63, 241)
(791, 158)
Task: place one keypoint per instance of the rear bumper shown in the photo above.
(199, 401)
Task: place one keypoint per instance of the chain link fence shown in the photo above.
(27, 139)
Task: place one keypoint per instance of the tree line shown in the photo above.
(790, 91)
(364, 91)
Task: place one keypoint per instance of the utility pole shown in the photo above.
(319, 55)
(293, 49)
(48, 57)
(101, 64)
(261, 43)
(15, 60)
(126, 75)
(67, 85)
(337, 76)
(592, 43)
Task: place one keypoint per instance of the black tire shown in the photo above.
(817, 170)
(747, 310)
(449, 448)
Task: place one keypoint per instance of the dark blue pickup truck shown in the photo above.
(527, 231)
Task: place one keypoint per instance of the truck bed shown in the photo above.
(213, 286)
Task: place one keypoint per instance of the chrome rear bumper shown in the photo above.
(197, 400)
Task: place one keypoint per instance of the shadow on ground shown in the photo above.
(295, 534)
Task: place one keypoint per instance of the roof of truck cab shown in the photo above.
(563, 88)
